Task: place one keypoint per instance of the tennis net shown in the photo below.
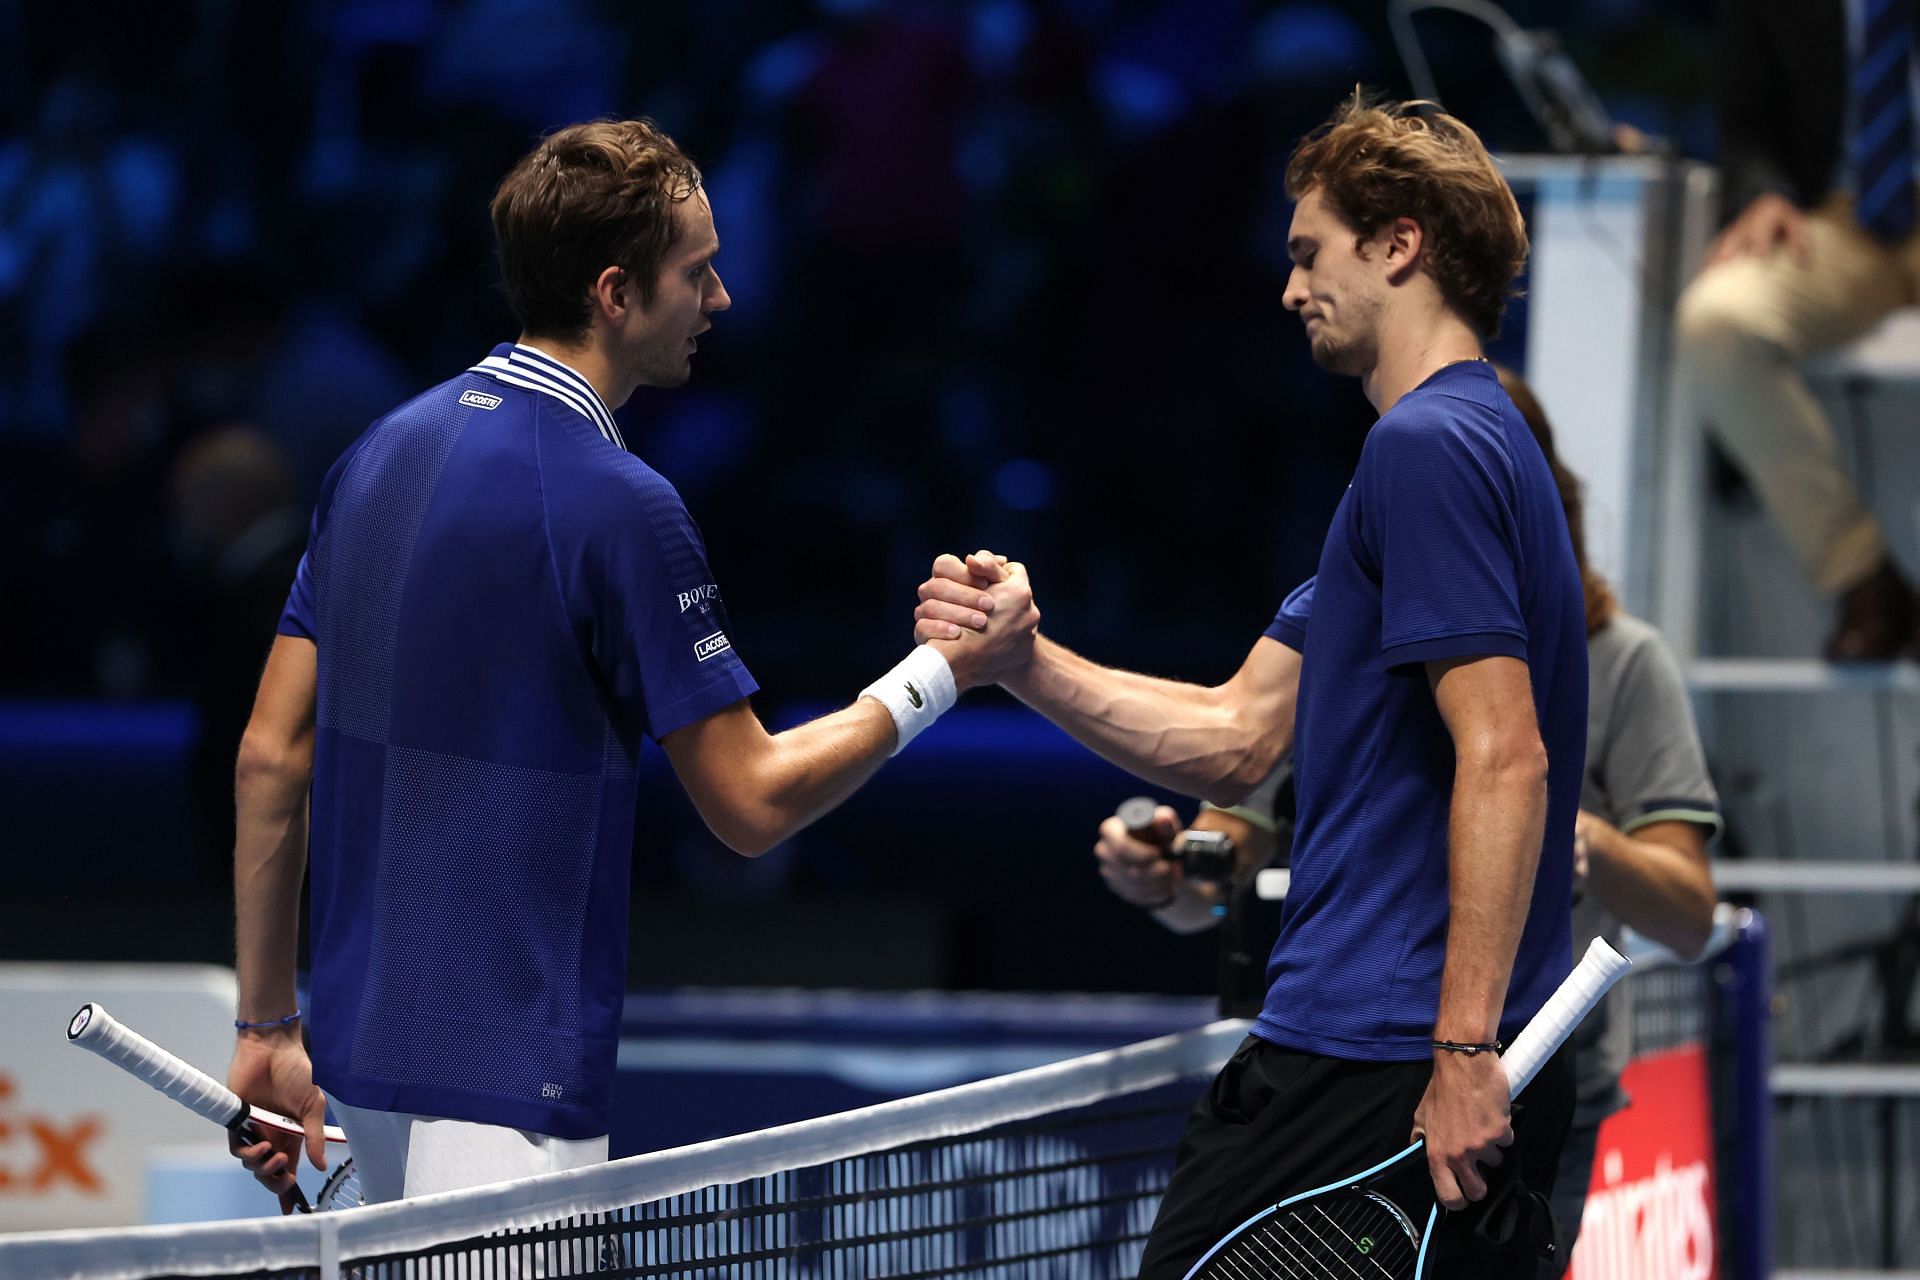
(1051, 1172)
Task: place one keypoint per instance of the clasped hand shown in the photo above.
(979, 613)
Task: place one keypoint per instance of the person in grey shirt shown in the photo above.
(1647, 810)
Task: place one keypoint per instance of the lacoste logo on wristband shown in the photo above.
(710, 645)
(914, 694)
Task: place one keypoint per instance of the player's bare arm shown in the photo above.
(755, 789)
(1496, 823)
(1654, 879)
(1217, 742)
(271, 777)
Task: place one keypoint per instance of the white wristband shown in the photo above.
(915, 693)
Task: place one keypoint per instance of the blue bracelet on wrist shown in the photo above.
(241, 1024)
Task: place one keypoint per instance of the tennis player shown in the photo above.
(1648, 807)
(497, 603)
(1440, 725)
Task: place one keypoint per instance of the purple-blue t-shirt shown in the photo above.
(1451, 542)
(503, 601)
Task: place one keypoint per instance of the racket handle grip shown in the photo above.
(1590, 980)
(96, 1029)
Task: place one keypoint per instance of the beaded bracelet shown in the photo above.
(1469, 1049)
(243, 1025)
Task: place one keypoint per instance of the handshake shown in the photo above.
(978, 613)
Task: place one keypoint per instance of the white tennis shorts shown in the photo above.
(399, 1156)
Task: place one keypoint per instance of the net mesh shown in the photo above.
(1070, 1194)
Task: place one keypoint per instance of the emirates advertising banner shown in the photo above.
(78, 1136)
(1650, 1207)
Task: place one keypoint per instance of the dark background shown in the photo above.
(1004, 274)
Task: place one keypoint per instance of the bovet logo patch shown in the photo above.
(479, 400)
(710, 645)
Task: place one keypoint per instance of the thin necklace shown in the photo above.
(1464, 360)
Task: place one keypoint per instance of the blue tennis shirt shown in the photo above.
(504, 601)
(1451, 542)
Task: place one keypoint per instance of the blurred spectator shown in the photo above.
(1817, 137)
(237, 534)
(89, 578)
(85, 204)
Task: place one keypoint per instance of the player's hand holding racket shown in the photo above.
(275, 1068)
(271, 1070)
(1380, 1223)
(1466, 1120)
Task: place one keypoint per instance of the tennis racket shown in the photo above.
(1378, 1224)
(95, 1029)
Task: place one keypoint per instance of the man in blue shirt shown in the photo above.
(497, 603)
(1441, 718)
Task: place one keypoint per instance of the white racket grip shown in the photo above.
(96, 1029)
(1590, 980)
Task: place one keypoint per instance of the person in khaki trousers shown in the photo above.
(1817, 131)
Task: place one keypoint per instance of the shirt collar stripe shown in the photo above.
(520, 354)
(541, 362)
(538, 381)
(520, 376)
(534, 382)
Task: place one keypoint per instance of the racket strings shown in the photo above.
(1353, 1239)
(341, 1190)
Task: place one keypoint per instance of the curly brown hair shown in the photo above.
(588, 197)
(1376, 160)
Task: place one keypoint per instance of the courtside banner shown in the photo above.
(1650, 1212)
(77, 1134)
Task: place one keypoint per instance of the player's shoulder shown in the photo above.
(599, 490)
(386, 430)
(464, 390)
(1426, 423)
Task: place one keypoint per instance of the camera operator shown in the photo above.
(1185, 877)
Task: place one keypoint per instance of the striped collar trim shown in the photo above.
(522, 366)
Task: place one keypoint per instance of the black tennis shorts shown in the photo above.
(1278, 1122)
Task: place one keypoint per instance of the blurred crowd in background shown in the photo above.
(1004, 273)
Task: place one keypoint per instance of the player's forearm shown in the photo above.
(1661, 891)
(269, 861)
(1192, 739)
(1496, 823)
(804, 773)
